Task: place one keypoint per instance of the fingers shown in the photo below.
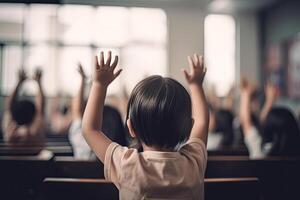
(108, 59)
(97, 67)
(186, 74)
(101, 59)
(191, 63)
(117, 73)
(114, 64)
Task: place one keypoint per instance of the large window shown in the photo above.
(219, 39)
(57, 37)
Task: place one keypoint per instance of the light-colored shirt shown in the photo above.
(253, 141)
(214, 141)
(80, 148)
(155, 174)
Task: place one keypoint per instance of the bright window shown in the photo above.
(57, 37)
(219, 40)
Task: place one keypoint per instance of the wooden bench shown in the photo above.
(68, 167)
(21, 176)
(79, 189)
(16, 150)
(279, 176)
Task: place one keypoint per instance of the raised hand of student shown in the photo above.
(199, 104)
(38, 75)
(197, 70)
(247, 90)
(22, 75)
(271, 92)
(104, 72)
(81, 71)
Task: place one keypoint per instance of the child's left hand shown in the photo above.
(104, 71)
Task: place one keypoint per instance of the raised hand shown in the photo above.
(247, 87)
(81, 71)
(22, 75)
(104, 71)
(38, 75)
(271, 92)
(197, 70)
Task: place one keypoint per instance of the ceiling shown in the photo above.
(210, 5)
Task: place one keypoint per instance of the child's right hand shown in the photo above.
(197, 70)
(104, 71)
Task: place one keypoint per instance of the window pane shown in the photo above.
(11, 19)
(76, 24)
(219, 34)
(12, 60)
(68, 77)
(140, 61)
(148, 25)
(111, 26)
(40, 24)
(42, 57)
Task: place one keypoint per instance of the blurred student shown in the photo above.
(112, 123)
(279, 133)
(60, 116)
(24, 120)
(173, 161)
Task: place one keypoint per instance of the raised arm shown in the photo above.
(40, 97)
(271, 94)
(245, 105)
(92, 119)
(200, 108)
(78, 101)
(13, 97)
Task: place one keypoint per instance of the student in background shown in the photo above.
(279, 133)
(173, 161)
(112, 123)
(24, 120)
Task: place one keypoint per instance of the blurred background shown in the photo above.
(257, 39)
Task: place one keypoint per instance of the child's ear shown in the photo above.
(131, 131)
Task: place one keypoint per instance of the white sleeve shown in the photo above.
(80, 147)
(253, 142)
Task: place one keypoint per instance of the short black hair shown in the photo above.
(160, 112)
(23, 112)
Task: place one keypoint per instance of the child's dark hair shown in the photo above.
(160, 112)
(281, 129)
(23, 112)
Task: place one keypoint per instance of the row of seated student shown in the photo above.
(271, 131)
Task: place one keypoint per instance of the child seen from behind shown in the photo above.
(171, 126)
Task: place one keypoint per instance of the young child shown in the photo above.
(24, 120)
(173, 161)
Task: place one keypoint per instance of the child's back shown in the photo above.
(155, 174)
(173, 161)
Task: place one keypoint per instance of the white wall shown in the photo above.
(248, 49)
(186, 36)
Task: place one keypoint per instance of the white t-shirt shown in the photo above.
(253, 142)
(155, 174)
(80, 148)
